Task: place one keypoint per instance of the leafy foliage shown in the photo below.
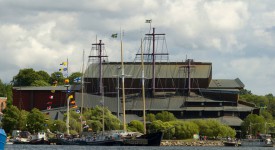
(185, 129)
(165, 116)
(93, 118)
(136, 126)
(57, 76)
(40, 83)
(6, 91)
(73, 76)
(26, 77)
(44, 76)
(29, 77)
(10, 119)
(213, 128)
(150, 117)
(36, 121)
(14, 119)
(253, 124)
(167, 128)
(58, 126)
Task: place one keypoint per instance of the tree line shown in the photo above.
(35, 121)
(29, 77)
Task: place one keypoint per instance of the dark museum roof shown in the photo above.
(163, 70)
(155, 104)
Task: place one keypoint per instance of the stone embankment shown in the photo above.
(191, 143)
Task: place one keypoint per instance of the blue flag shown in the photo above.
(77, 80)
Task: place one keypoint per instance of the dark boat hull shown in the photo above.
(235, 144)
(152, 139)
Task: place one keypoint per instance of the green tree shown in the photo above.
(185, 129)
(136, 126)
(165, 116)
(167, 128)
(10, 119)
(213, 128)
(6, 91)
(267, 115)
(226, 131)
(95, 125)
(245, 92)
(40, 83)
(253, 124)
(22, 120)
(36, 121)
(26, 77)
(44, 76)
(111, 122)
(150, 117)
(2, 89)
(73, 76)
(58, 126)
(57, 76)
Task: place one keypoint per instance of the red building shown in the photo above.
(41, 98)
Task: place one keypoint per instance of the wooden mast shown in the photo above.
(143, 90)
(123, 89)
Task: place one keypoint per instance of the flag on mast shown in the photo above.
(64, 63)
(114, 35)
(148, 21)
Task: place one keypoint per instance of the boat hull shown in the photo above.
(3, 138)
(256, 143)
(152, 139)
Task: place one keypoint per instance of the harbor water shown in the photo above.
(73, 147)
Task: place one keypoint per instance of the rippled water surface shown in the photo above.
(68, 147)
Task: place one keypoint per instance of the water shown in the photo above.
(73, 147)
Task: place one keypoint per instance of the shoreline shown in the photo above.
(215, 143)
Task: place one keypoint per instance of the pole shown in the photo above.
(143, 90)
(153, 66)
(82, 91)
(68, 101)
(103, 112)
(68, 113)
(123, 90)
(118, 91)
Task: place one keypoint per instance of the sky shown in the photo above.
(237, 36)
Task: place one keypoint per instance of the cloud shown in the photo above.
(236, 36)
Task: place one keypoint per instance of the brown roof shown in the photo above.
(163, 70)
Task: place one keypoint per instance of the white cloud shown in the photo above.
(256, 72)
(230, 34)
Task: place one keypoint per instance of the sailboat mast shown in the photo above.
(154, 54)
(103, 112)
(82, 91)
(143, 89)
(123, 90)
(68, 101)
